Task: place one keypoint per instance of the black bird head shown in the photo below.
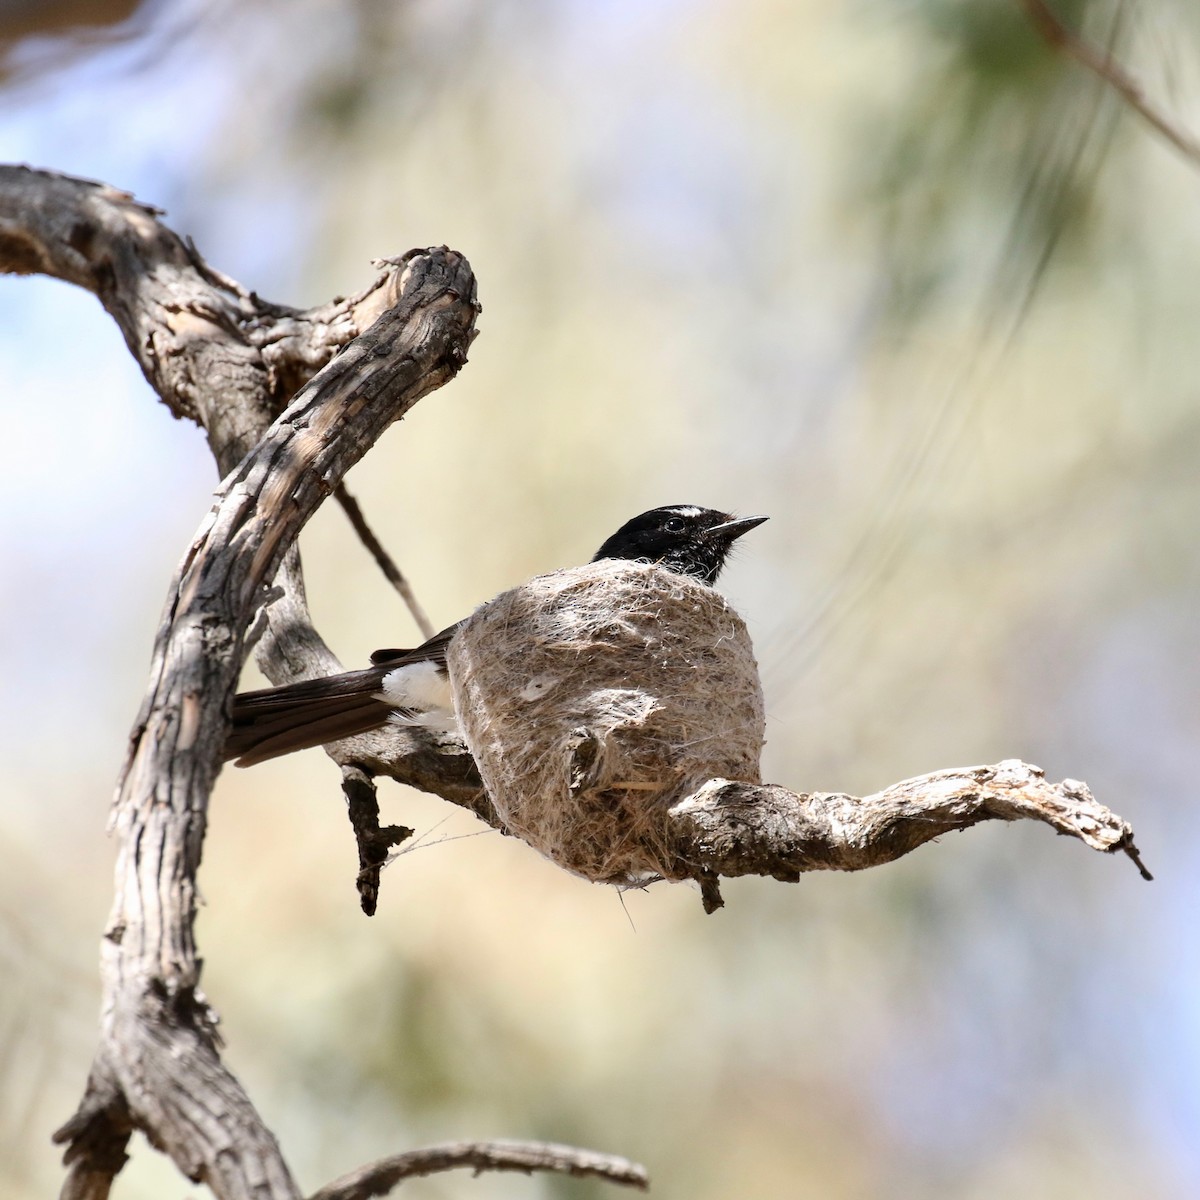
(681, 537)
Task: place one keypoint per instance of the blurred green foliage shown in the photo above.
(999, 128)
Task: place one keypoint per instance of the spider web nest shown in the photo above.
(592, 699)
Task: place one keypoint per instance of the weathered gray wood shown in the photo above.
(226, 358)
(379, 1178)
(729, 828)
(219, 355)
(156, 1028)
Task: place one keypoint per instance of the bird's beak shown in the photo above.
(734, 528)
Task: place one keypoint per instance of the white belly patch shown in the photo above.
(423, 689)
(416, 685)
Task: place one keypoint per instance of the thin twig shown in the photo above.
(387, 564)
(1116, 76)
(378, 1178)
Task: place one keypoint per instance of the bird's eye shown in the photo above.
(674, 525)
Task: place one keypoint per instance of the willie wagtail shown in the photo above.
(412, 686)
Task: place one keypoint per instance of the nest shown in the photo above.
(594, 698)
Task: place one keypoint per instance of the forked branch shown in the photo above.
(157, 1051)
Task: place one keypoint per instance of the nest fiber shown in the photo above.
(594, 698)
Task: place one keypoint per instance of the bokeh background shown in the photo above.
(894, 274)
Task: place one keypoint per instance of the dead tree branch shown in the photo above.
(1112, 73)
(158, 1048)
(218, 354)
(374, 841)
(377, 1179)
(728, 828)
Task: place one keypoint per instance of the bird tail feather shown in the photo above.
(276, 721)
